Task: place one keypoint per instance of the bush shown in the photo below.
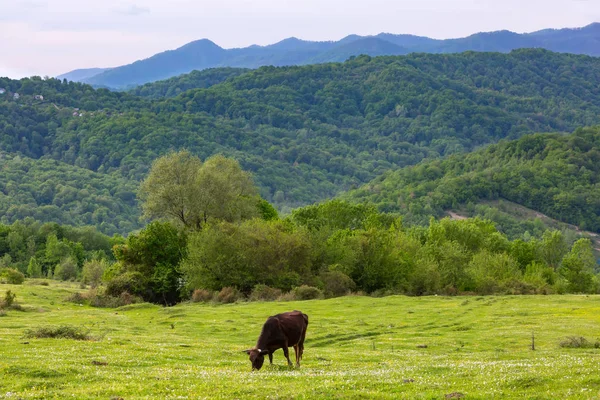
(78, 298)
(106, 301)
(66, 270)
(306, 293)
(264, 293)
(384, 293)
(102, 300)
(289, 296)
(92, 272)
(579, 342)
(11, 276)
(202, 296)
(130, 282)
(61, 332)
(336, 283)
(520, 287)
(229, 295)
(8, 301)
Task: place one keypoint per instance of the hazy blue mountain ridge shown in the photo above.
(204, 54)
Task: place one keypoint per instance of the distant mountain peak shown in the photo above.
(201, 43)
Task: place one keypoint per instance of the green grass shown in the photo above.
(356, 347)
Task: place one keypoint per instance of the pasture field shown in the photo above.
(356, 347)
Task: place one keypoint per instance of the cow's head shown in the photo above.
(257, 357)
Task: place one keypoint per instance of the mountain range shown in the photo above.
(204, 54)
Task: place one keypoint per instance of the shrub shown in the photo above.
(130, 282)
(106, 301)
(336, 283)
(78, 298)
(202, 296)
(126, 299)
(289, 296)
(306, 293)
(60, 332)
(92, 272)
(8, 301)
(264, 293)
(11, 276)
(520, 287)
(384, 293)
(103, 300)
(66, 270)
(579, 342)
(229, 295)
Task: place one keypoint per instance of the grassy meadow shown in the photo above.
(356, 347)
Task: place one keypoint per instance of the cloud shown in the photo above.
(133, 10)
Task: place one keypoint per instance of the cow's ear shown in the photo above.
(247, 351)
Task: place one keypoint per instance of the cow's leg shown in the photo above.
(271, 358)
(286, 353)
(297, 352)
(301, 344)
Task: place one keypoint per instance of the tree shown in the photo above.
(243, 255)
(489, 271)
(181, 188)
(226, 192)
(553, 248)
(92, 272)
(66, 269)
(578, 267)
(153, 257)
(34, 268)
(169, 191)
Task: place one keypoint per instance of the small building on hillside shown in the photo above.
(2, 90)
(38, 97)
(16, 96)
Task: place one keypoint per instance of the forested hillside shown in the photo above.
(52, 191)
(194, 80)
(306, 133)
(558, 175)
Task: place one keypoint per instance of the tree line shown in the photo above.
(212, 231)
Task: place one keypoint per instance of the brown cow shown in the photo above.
(279, 332)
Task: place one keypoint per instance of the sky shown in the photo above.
(51, 37)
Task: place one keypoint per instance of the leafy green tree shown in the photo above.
(34, 268)
(92, 272)
(578, 268)
(56, 251)
(153, 255)
(267, 211)
(246, 254)
(488, 272)
(170, 190)
(66, 270)
(553, 248)
(181, 188)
